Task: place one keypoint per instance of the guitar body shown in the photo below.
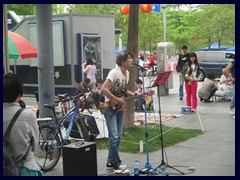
(116, 107)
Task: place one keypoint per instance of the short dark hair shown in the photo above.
(87, 80)
(184, 47)
(12, 87)
(122, 56)
(100, 81)
(211, 76)
(138, 81)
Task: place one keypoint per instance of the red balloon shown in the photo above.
(125, 9)
(145, 8)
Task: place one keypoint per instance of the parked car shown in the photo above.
(213, 61)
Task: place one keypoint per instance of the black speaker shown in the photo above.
(80, 159)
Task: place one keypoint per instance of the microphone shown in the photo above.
(142, 68)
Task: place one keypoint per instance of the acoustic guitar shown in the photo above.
(116, 107)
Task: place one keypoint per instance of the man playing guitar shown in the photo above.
(114, 89)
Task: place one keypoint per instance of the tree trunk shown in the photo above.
(132, 46)
(209, 44)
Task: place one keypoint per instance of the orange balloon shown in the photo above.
(125, 9)
(145, 8)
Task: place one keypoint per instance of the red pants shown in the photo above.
(191, 91)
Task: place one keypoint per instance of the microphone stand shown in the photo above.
(148, 167)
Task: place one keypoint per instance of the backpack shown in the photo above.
(9, 166)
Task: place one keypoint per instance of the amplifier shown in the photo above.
(80, 159)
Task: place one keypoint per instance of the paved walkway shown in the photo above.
(212, 153)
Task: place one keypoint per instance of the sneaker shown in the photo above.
(121, 169)
(193, 110)
(181, 98)
(109, 166)
(233, 117)
(232, 111)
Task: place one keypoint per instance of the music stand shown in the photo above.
(161, 79)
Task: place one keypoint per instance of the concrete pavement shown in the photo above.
(212, 153)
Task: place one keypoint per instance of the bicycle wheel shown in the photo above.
(83, 128)
(47, 153)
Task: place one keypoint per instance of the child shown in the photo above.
(190, 72)
(83, 87)
(97, 94)
(139, 102)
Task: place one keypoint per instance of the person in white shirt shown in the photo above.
(115, 88)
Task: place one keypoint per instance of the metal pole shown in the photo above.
(164, 23)
(5, 39)
(120, 42)
(46, 84)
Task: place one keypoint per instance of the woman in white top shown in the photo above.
(90, 69)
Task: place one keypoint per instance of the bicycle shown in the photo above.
(51, 139)
(60, 103)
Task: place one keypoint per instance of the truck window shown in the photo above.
(230, 57)
(200, 56)
(214, 57)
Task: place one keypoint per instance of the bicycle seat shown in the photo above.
(63, 95)
(51, 106)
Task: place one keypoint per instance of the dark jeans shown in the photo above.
(152, 65)
(211, 94)
(115, 123)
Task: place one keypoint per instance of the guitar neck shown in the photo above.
(132, 97)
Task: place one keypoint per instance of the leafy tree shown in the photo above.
(216, 22)
(22, 9)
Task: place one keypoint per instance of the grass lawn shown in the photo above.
(137, 134)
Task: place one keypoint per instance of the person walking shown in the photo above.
(153, 61)
(90, 69)
(190, 72)
(115, 88)
(182, 59)
(24, 136)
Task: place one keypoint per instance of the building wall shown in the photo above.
(73, 25)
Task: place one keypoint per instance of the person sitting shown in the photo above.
(208, 88)
(97, 93)
(140, 101)
(225, 87)
(226, 78)
(83, 87)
